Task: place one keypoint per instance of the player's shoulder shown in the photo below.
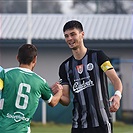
(39, 78)
(10, 69)
(67, 60)
(98, 52)
(1, 68)
(95, 50)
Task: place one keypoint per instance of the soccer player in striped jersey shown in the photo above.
(85, 74)
(21, 92)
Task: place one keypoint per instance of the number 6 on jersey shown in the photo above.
(21, 95)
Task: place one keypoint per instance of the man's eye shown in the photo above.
(73, 34)
(66, 36)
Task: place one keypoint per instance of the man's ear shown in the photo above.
(35, 60)
(83, 33)
(17, 58)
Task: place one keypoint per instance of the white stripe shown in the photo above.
(109, 127)
(50, 99)
(29, 131)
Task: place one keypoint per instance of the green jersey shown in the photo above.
(20, 97)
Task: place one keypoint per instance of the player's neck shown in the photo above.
(79, 53)
(26, 66)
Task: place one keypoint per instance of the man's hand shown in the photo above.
(115, 103)
(56, 87)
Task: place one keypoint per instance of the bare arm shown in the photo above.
(115, 80)
(65, 99)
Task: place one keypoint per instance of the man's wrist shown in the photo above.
(118, 93)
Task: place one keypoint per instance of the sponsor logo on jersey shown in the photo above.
(79, 68)
(90, 67)
(77, 87)
(17, 116)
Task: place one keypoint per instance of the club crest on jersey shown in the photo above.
(90, 67)
(79, 68)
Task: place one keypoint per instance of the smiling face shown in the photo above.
(74, 38)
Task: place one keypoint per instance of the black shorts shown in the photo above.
(101, 129)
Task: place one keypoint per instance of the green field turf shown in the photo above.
(64, 128)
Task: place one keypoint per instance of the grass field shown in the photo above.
(119, 127)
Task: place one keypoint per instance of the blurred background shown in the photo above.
(108, 25)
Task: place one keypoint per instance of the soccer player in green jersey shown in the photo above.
(21, 92)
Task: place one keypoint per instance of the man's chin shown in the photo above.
(74, 48)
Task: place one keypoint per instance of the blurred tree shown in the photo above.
(38, 6)
(79, 6)
(13, 6)
(103, 6)
(46, 6)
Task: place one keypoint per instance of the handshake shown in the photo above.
(63, 91)
(57, 87)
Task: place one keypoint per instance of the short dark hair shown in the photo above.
(73, 24)
(26, 53)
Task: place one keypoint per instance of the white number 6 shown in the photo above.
(21, 95)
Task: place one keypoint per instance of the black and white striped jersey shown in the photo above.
(88, 82)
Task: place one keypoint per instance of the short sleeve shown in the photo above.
(104, 61)
(63, 74)
(46, 93)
